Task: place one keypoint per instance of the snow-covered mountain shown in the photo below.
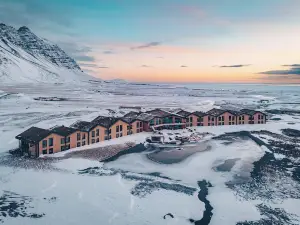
(25, 57)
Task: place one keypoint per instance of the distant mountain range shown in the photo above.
(25, 57)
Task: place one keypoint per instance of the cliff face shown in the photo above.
(26, 57)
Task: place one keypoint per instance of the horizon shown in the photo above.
(171, 41)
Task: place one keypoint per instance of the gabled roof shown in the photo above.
(81, 125)
(63, 131)
(160, 113)
(215, 112)
(131, 114)
(199, 114)
(131, 117)
(183, 113)
(145, 117)
(33, 135)
(105, 121)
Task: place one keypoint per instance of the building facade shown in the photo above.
(37, 141)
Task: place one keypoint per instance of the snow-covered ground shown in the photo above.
(260, 187)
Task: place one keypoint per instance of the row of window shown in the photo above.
(79, 137)
(45, 152)
(46, 142)
(80, 144)
(260, 117)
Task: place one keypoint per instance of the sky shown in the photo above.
(253, 41)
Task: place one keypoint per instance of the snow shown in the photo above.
(94, 199)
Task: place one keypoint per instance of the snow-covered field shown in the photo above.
(259, 185)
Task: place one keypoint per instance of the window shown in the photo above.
(229, 117)
(229, 123)
(109, 131)
(83, 143)
(62, 148)
(121, 134)
(50, 150)
(117, 135)
(62, 141)
(93, 141)
(151, 122)
(128, 128)
(50, 142)
(212, 119)
(121, 128)
(199, 119)
(232, 123)
(259, 122)
(78, 137)
(105, 138)
(117, 128)
(78, 144)
(97, 140)
(109, 137)
(83, 136)
(44, 143)
(97, 132)
(67, 147)
(106, 132)
(68, 139)
(44, 151)
(93, 133)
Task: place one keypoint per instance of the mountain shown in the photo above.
(25, 57)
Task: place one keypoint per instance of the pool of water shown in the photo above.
(227, 165)
(167, 155)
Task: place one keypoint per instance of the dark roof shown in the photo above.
(104, 121)
(33, 135)
(250, 112)
(63, 131)
(162, 113)
(145, 117)
(131, 117)
(81, 125)
(131, 114)
(159, 113)
(199, 114)
(215, 112)
(183, 113)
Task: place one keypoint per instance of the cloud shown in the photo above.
(291, 71)
(145, 66)
(108, 52)
(233, 66)
(77, 51)
(147, 45)
(92, 65)
(184, 66)
(292, 65)
(36, 15)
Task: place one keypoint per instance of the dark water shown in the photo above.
(177, 155)
(227, 165)
(202, 194)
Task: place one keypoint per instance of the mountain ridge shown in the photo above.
(26, 57)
